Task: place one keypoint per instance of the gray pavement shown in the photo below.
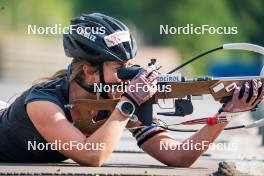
(117, 164)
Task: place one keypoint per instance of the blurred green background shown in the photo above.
(145, 17)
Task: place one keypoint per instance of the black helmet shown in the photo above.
(97, 38)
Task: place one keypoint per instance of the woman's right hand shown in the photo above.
(143, 86)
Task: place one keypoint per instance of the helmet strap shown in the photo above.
(101, 73)
(69, 71)
(90, 88)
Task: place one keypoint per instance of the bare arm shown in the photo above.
(178, 156)
(208, 134)
(52, 124)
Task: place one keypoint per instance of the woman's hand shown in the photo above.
(245, 98)
(143, 86)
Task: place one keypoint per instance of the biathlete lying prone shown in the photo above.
(39, 114)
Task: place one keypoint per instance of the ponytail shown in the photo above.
(76, 72)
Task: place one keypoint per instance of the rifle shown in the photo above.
(182, 89)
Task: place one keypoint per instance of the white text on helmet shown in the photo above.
(117, 38)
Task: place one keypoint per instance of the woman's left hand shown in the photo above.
(245, 98)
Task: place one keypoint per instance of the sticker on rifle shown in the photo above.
(169, 78)
(231, 87)
(218, 87)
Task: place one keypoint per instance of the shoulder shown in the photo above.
(44, 111)
(52, 90)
